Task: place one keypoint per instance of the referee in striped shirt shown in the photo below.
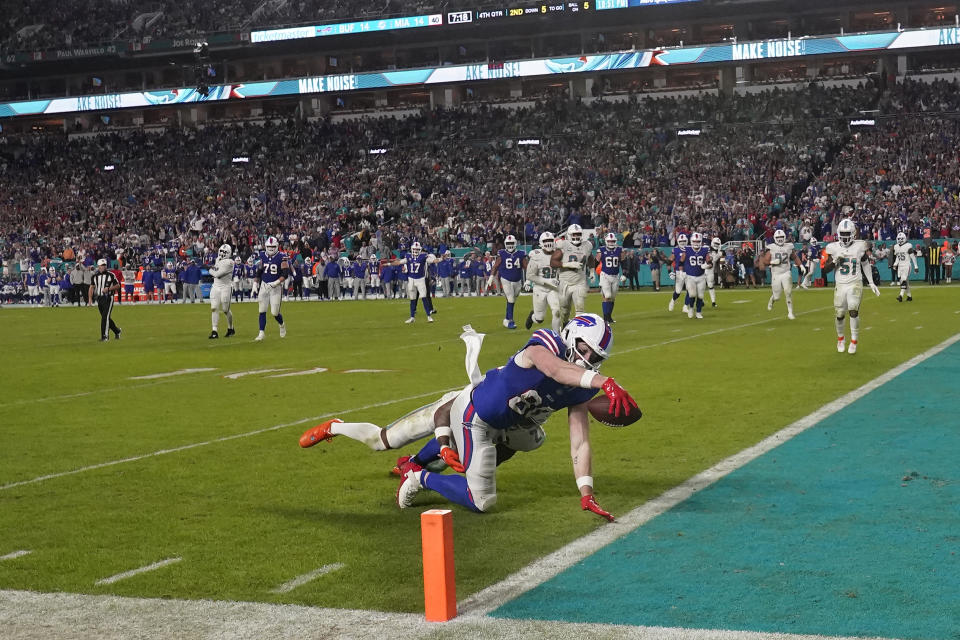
(103, 286)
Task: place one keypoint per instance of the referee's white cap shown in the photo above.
(102, 262)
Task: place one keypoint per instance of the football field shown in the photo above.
(166, 465)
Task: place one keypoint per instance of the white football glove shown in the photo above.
(490, 281)
(672, 275)
(553, 283)
(875, 290)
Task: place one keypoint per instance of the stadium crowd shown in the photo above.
(460, 178)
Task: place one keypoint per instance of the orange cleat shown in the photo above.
(318, 433)
(404, 464)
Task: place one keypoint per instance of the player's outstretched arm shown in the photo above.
(582, 456)
(552, 366)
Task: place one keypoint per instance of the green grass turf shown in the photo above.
(250, 513)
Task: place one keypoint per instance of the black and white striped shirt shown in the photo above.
(102, 283)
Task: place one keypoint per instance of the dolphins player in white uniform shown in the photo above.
(545, 283)
(710, 268)
(904, 255)
(221, 290)
(848, 256)
(778, 257)
(573, 256)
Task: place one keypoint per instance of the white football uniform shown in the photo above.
(222, 288)
(709, 267)
(847, 274)
(905, 257)
(781, 276)
(573, 277)
(545, 287)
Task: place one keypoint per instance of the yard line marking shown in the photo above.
(299, 581)
(196, 445)
(44, 615)
(81, 394)
(16, 554)
(234, 376)
(710, 333)
(300, 373)
(136, 572)
(740, 301)
(179, 372)
(485, 601)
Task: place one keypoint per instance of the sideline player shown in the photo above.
(221, 290)
(416, 262)
(169, 282)
(510, 266)
(609, 258)
(573, 256)
(32, 285)
(545, 284)
(847, 256)
(678, 275)
(271, 275)
(780, 257)
(904, 256)
(711, 267)
(508, 405)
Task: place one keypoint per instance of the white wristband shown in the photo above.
(586, 380)
(443, 431)
(584, 481)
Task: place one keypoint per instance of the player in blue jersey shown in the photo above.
(416, 262)
(445, 271)
(464, 276)
(169, 277)
(237, 279)
(502, 411)
(249, 278)
(358, 269)
(608, 256)
(271, 276)
(31, 284)
(677, 274)
(695, 260)
(510, 266)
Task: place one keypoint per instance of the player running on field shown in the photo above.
(573, 257)
(221, 290)
(510, 265)
(780, 257)
(848, 255)
(271, 276)
(608, 256)
(545, 284)
(904, 255)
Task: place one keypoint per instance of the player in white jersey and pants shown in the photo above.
(710, 268)
(780, 257)
(573, 256)
(848, 256)
(545, 284)
(904, 255)
(221, 290)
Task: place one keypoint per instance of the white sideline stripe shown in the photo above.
(16, 554)
(485, 601)
(136, 572)
(300, 373)
(715, 331)
(299, 581)
(39, 616)
(179, 372)
(195, 445)
(234, 376)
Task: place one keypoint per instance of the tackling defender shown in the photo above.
(508, 405)
(573, 257)
(778, 257)
(271, 275)
(847, 255)
(509, 268)
(609, 258)
(221, 290)
(904, 255)
(545, 284)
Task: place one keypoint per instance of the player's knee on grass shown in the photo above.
(854, 313)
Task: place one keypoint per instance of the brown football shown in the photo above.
(599, 409)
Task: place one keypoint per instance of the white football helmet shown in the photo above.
(901, 238)
(610, 240)
(510, 244)
(682, 240)
(30, 269)
(779, 237)
(271, 246)
(170, 264)
(593, 331)
(814, 243)
(224, 251)
(547, 241)
(250, 260)
(696, 240)
(308, 260)
(237, 260)
(415, 249)
(846, 231)
(716, 244)
(575, 234)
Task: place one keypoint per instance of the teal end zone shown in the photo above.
(822, 535)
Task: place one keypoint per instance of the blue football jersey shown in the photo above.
(466, 269)
(511, 264)
(610, 260)
(416, 268)
(31, 279)
(510, 395)
(237, 271)
(679, 256)
(695, 260)
(270, 267)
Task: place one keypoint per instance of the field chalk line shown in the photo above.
(136, 572)
(16, 554)
(299, 581)
(485, 601)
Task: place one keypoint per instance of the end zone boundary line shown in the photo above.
(535, 574)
